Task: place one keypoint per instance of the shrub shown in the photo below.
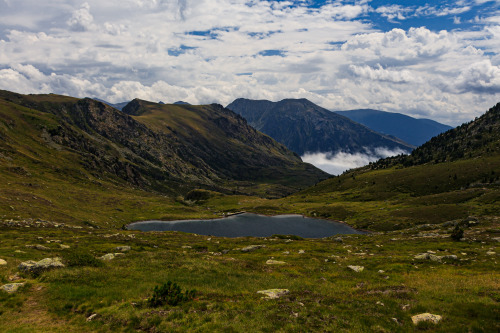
(457, 234)
(170, 294)
(80, 259)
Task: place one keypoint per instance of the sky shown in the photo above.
(427, 59)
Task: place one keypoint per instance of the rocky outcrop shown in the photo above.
(11, 287)
(273, 293)
(251, 248)
(357, 269)
(37, 267)
(426, 317)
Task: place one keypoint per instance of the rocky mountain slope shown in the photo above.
(303, 127)
(166, 148)
(454, 175)
(414, 131)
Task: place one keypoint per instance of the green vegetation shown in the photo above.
(432, 247)
(170, 294)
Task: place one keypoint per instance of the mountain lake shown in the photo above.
(247, 224)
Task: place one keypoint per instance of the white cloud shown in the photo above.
(81, 20)
(337, 163)
(381, 74)
(480, 77)
(196, 50)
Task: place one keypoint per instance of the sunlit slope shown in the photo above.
(169, 149)
(454, 175)
(225, 142)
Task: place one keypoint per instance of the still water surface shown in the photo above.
(248, 224)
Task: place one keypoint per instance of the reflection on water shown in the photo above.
(248, 224)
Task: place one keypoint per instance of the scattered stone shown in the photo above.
(381, 271)
(428, 256)
(395, 320)
(186, 247)
(426, 317)
(338, 239)
(275, 262)
(286, 252)
(11, 287)
(405, 307)
(119, 254)
(302, 251)
(3, 262)
(38, 247)
(14, 277)
(380, 303)
(91, 317)
(251, 248)
(490, 253)
(64, 247)
(357, 268)
(496, 239)
(273, 293)
(36, 267)
(450, 257)
(108, 256)
(123, 248)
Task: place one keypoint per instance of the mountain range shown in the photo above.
(305, 127)
(159, 147)
(414, 131)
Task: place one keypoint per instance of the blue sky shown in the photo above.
(432, 59)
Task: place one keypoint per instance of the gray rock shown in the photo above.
(273, 293)
(124, 248)
(3, 262)
(64, 247)
(426, 317)
(37, 267)
(450, 257)
(251, 248)
(38, 247)
(11, 287)
(356, 268)
(338, 239)
(108, 256)
(275, 262)
(428, 256)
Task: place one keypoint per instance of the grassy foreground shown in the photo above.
(325, 295)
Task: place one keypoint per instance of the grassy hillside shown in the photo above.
(53, 204)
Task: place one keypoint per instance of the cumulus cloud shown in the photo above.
(480, 77)
(382, 74)
(331, 54)
(81, 20)
(337, 163)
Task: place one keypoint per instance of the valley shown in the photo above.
(75, 172)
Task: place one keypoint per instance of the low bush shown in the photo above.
(170, 294)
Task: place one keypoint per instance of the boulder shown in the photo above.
(357, 268)
(38, 247)
(426, 317)
(273, 293)
(37, 267)
(251, 248)
(11, 287)
(108, 256)
(275, 262)
(428, 256)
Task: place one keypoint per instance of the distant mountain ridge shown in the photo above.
(412, 130)
(166, 148)
(303, 127)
